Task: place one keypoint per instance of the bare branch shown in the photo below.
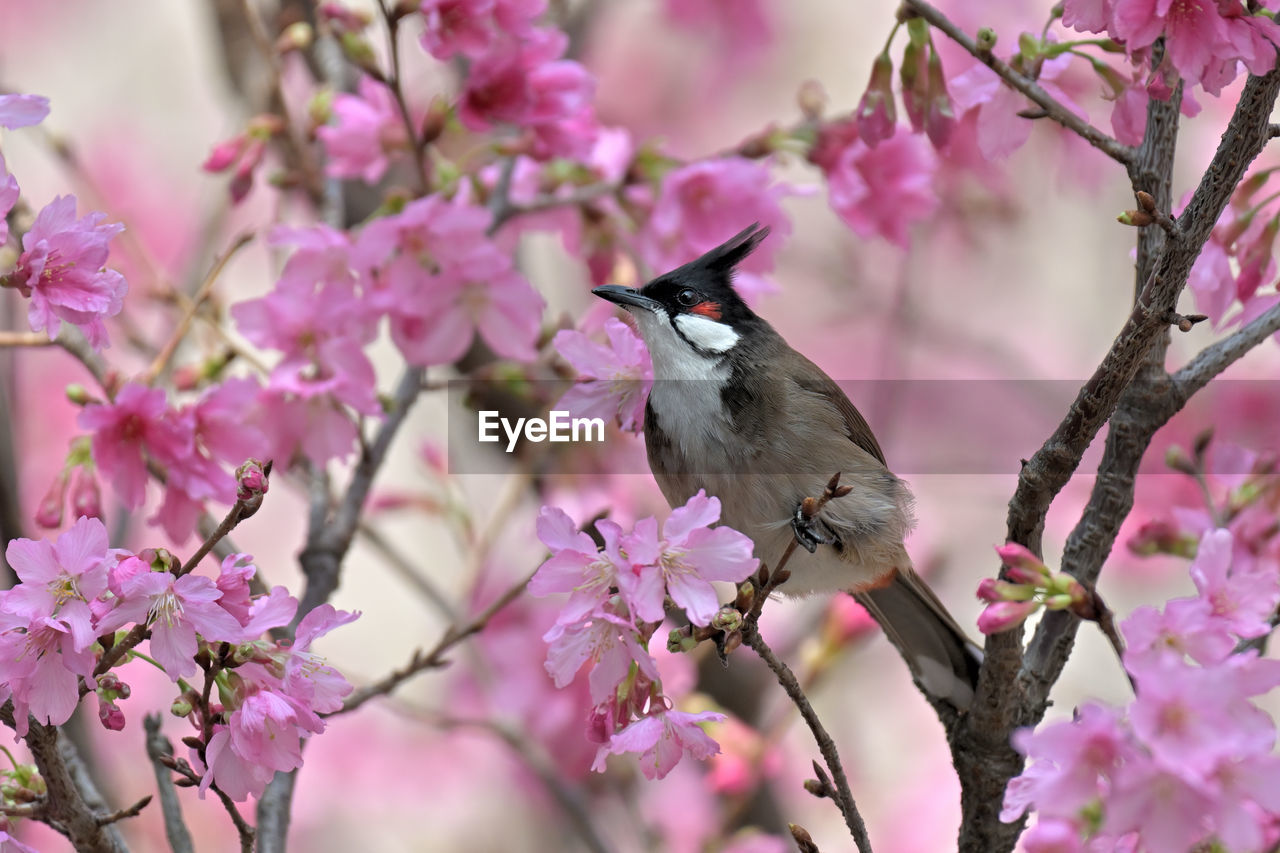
(158, 749)
(420, 662)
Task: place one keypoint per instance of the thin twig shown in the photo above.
(1020, 82)
(158, 749)
(25, 339)
(120, 814)
(228, 524)
(393, 82)
(420, 662)
(165, 355)
(844, 797)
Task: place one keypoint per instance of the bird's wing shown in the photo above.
(855, 425)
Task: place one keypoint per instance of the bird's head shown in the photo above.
(692, 311)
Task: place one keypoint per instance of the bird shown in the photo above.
(736, 411)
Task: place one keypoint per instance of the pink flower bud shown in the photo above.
(876, 113)
(225, 154)
(940, 118)
(49, 513)
(1022, 565)
(252, 479)
(86, 498)
(110, 715)
(1003, 615)
(915, 83)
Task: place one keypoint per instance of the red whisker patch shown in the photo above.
(707, 309)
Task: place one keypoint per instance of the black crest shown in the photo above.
(711, 277)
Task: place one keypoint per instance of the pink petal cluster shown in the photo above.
(192, 444)
(1000, 128)
(1239, 258)
(366, 132)
(619, 374)
(516, 76)
(277, 703)
(1204, 42)
(701, 205)
(441, 280)
(616, 601)
(1191, 759)
(62, 269)
(76, 589)
(47, 624)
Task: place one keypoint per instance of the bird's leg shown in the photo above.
(811, 531)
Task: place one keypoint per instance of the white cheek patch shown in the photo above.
(706, 334)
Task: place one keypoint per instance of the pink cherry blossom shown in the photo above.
(701, 205)
(470, 27)
(883, 191)
(61, 577)
(268, 729)
(608, 641)
(576, 566)
(662, 739)
(308, 678)
(237, 777)
(367, 130)
(1186, 626)
(47, 627)
(22, 110)
(1001, 131)
(683, 561)
(136, 422)
(1244, 601)
(175, 609)
(62, 270)
(445, 280)
(621, 374)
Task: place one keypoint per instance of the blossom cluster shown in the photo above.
(74, 604)
(617, 600)
(62, 266)
(1237, 265)
(1190, 758)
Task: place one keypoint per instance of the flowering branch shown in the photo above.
(1052, 109)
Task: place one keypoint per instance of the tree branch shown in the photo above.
(158, 749)
(1020, 82)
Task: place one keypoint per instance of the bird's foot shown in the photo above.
(811, 531)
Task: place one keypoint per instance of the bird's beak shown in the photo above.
(626, 296)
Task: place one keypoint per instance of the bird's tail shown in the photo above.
(943, 660)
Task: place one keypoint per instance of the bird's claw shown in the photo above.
(811, 532)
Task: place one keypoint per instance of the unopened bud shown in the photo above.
(436, 120)
(813, 786)
(110, 715)
(49, 512)
(804, 841)
(1003, 615)
(252, 481)
(1177, 459)
(727, 618)
(731, 642)
(360, 53)
(79, 395)
(1136, 218)
(296, 36)
(986, 40)
(192, 742)
(86, 497)
(681, 640)
(746, 596)
(1145, 201)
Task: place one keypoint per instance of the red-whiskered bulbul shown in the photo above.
(736, 411)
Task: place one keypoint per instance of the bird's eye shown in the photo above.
(688, 297)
